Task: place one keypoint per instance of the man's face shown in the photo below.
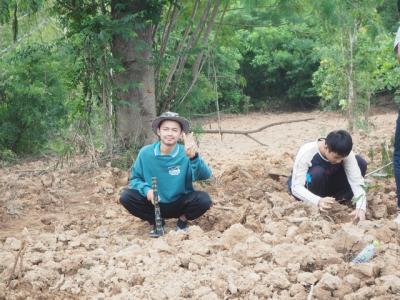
(333, 157)
(169, 132)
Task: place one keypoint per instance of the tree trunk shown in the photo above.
(107, 113)
(15, 23)
(135, 90)
(350, 78)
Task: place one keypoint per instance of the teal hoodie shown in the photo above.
(175, 172)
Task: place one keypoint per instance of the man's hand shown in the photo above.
(358, 215)
(325, 204)
(190, 145)
(150, 196)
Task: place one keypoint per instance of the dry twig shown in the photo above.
(224, 207)
(19, 255)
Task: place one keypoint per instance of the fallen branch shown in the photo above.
(247, 132)
(224, 207)
(254, 139)
(33, 171)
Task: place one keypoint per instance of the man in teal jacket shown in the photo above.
(176, 167)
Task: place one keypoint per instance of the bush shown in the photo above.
(278, 63)
(32, 96)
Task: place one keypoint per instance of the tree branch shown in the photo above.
(194, 80)
(179, 50)
(193, 41)
(246, 132)
(196, 65)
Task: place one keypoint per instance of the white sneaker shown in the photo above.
(397, 220)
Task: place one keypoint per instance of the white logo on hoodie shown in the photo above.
(174, 171)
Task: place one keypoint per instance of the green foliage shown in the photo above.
(7, 156)
(32, 97)
(386, 69)
(377, 72)
(265, 54)
(11, 10)
(230, 82)
(278, 64)
(225, 61)
(329, 80)
(345, 77)
(124, 160)
(388, 11)
(200, 99)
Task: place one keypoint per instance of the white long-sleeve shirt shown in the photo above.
(302, 164)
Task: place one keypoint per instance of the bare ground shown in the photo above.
(64, 235)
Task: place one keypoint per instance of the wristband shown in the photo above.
(195, 156)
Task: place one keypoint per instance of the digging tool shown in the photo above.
(159, 229)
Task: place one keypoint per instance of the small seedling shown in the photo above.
(371, 154)
(354, 200)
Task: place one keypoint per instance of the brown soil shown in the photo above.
(65, 236)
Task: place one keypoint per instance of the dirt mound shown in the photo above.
(66, 237)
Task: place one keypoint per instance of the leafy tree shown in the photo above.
(346, 23)
(122, 34)
(386, 75)
(32, 97)
(10, 10)
(187, 37)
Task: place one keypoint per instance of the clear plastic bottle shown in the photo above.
(366, 254)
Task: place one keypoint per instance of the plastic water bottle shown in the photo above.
(366, 254)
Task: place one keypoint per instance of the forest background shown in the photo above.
(89, 76)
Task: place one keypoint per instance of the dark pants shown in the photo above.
(335, 185)
(396, 159)
(192, 205)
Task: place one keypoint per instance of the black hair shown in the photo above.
(340, 142)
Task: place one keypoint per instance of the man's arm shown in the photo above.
(137, 181)
(200, 170)
(299, 175)
(356, 180)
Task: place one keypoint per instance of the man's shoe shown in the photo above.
(397, 220)
(182, 226)
(154, 234)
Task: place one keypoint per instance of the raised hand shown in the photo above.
(190, 144)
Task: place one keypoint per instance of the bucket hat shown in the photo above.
(173, 116)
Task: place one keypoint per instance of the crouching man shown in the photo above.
(327, 170)
(176, 167)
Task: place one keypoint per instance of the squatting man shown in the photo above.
(176, 166)
(327, 170)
